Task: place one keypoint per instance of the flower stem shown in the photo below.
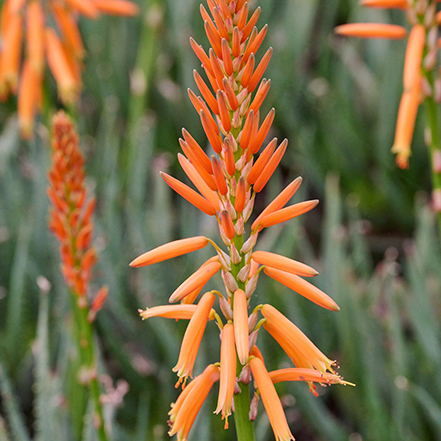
(244, 427)
(88, 367)
(434, 145)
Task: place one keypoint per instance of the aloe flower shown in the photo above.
(226, 185)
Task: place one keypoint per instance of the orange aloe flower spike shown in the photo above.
(303, 287)
(287, 213)
(27, 99)
(35, 35)
(414, 56)
(293, 341)
(271, 401)
(193, 336)
(270, 167)
(261, 162)
(240, 317)
(177, 312)
(188, 408)
(283, 263)
(85, 7)
(227, 372)
(301, 374)
(69, 28)
(59, 66)
(371, 30)
(280, 201)
(198, 181)
(170, 250)
(196, 280)
(187, 193)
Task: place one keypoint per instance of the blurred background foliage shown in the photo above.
(372, 238)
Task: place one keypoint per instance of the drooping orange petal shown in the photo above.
(371, 30)
(223, 110)
(211, 133)
(414, 56)
(187, 193)
(198, 181)
(407, 113)
(262, 92)
(283, 263)
(240, 317)
(177, 312)
(69, 28)
(227, 372)
(186, 408)
(227, 224)
(200, 53)
(241, 191)
(59, 66)
(170, 250)
(253, 46)
(27, 99)
(270, 167)
(193, 336)
(271, 401)
(294, 342)
(226, 57)
(303, 287)
(197, 279)
(245, 136)
(280, 201)
(287, 213)
(35, 35)
(248, 71)
(11, 52)
(231, 96)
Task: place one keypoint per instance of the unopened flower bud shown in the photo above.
(248, 209)
(252, 321)
(226, 308)
(239, 227)
(253, 338)
(254, 407)
(244, 273)
(235, 256)
(229, 281)
(249, 244)
(251, 285)
(245, 375)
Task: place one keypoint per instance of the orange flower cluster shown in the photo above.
(227, 184)
(29, 22)
(422, 49)
(71, 215)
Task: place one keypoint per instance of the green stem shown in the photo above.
(434, 146)
(88, 367)
(244, 427)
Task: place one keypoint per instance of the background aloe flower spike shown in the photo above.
(226, 187)
(421, 78)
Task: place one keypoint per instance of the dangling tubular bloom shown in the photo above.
(226, 186)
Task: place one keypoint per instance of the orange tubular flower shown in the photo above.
(271, 401)
(30, 23)
(227, 372)
(297, 346)
(226, 187)
(184, 412)
(193, 336)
